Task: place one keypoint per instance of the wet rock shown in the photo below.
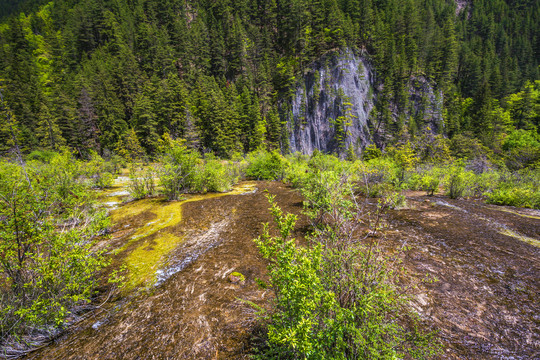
(237, 278)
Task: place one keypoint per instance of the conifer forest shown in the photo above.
(269, 179)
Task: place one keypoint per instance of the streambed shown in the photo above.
(181, 302)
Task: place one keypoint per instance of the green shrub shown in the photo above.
(377, 177)
(334, 298)
(98, 172)
(142, 182)
(218, 176)
(179, 172)
(41, 155)
(265, 165)
(430, 184)
(47, 231)
(405, 159)
(324, 162)
(297, 171)
(371, 152)
(66, 179)
(457, 181)
(322, 189)
(522, 197)
(414, 181)
(395, 200)
(484, 183)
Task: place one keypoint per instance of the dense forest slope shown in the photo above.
(108, 75)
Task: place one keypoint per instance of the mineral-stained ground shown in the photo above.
(482, 264)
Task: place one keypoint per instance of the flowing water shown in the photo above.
(181, 302)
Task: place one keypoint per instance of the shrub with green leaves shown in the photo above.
(395, 200)
(483, 184)
(457, 181)
(520, 188)
(430, 184)
(179, 172)
(522, 197)
(320, 191)
(405, 158)
(142, 183)
(324, 162)
(218, 176)
(297, 170)
(377, 177)
(334, 298)
(371, 152)
(41, 155)
(48, 226)
(265, 165)
(98, 172)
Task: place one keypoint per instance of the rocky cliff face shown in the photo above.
(341, 90)
(336, 86)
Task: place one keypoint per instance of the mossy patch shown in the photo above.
(517, 213)
(520, 237)
(143, 262)
(154, 241)
(236, 277)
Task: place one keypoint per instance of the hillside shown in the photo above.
(223, 74)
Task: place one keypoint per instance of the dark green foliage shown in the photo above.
(85, 73)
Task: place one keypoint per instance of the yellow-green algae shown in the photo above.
(143, 262)
(515, 235)
(517, 213)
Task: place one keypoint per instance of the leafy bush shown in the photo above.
(183, 171)
(430, 184)
(404, 157)
(41, 155)
(457, 181)
(265, 165)
(297, 171)
(517, 189)
(47, 230)
(521, 139)
(371, 152)
(322, 189)
(141, 182)
(395, 200)
(98, 172)
(65, 177)
(335, 299)
(465, 146)
(218, 176)
(179, 171)
(484, 183)
(323, 162)
(522, 197)
(377, 177)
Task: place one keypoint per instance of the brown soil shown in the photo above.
(485, 302)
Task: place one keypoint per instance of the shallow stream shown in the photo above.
(181, 302)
